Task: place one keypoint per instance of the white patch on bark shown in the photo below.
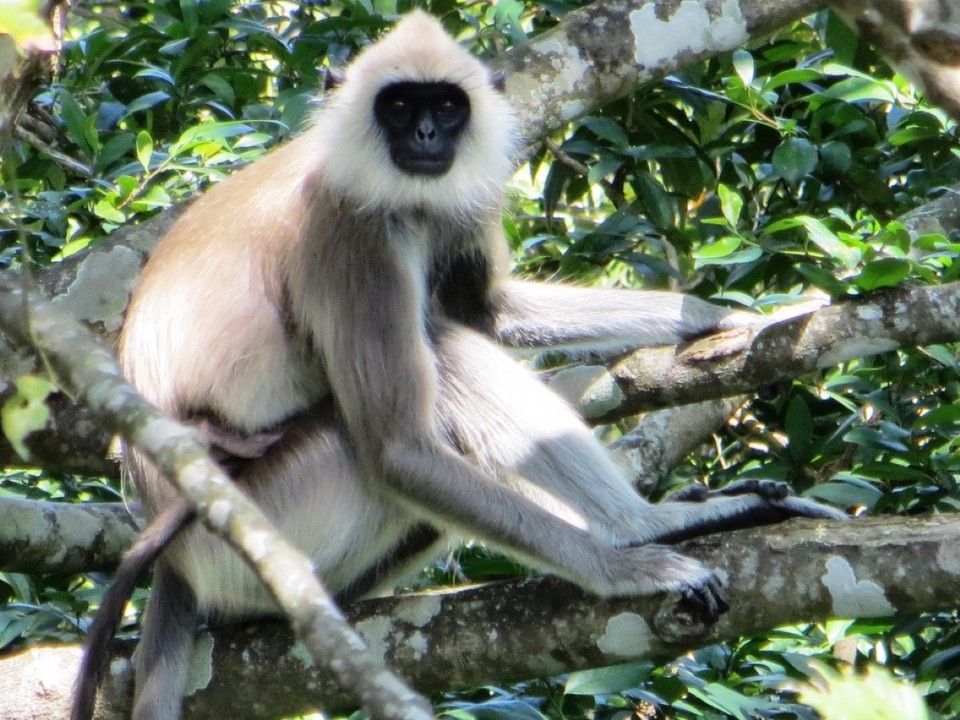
(102, 287)
(375, 631)
(419, 644)
(418, 611)
(626, 635)
(851, 597)
(200, 670)
(870, 313)
(564, 57)
(948, 558)
(690, 28)
(299, 652)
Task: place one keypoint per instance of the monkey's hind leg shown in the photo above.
(166, 643)
(523, 436)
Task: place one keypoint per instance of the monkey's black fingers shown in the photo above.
(705, 599)
(767, 489)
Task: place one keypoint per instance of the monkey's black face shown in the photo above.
(422, 122)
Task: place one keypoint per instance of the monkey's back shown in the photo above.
(206, 331)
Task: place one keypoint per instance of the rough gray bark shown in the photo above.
(506, 632)
(740, 361)
(46, 537)
(604, 50)
(920, 37)
(663, 438)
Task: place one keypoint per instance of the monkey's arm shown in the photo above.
(383, 374)
(536, 315)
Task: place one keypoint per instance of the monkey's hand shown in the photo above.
(648, 569)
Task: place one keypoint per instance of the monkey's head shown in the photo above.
(418, 122)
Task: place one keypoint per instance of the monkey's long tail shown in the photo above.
(152, 541)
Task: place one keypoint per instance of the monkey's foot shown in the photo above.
(778, 494)
(706, 599)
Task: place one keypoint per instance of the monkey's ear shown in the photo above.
(332, 79)
(498, 80)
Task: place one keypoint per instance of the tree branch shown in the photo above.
(502, 633)
(921, 38)
(602, 51)
(740, 361)
(46, 537)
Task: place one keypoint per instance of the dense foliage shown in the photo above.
(754, 179)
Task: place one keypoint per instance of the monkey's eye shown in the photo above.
(447, 107)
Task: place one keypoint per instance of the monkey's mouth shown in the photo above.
(420, 165)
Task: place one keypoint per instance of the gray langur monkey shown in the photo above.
(331, 316)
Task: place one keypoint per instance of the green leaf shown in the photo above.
(885, 272)
(606, 129)
(207, 132)
(605, 681)
(799, 427)
(868, 437)
(220, 86)
(942, 354)
(835, 158)
(730, 203)
(744, 66)
(822, 279)
(144, 149)
(75, 120)
(191, 16)
(794, 159)
(25, 411)
(659, 206)
(606, 165)
(718, 249)
(826, 240)
(845, 494)
(145, 102)
(730, 702)
(104, 209)
(790, 77)
(943, 415)
(499, 709)
(854, 89)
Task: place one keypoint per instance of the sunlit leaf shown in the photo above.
(743, 65)
(21, 20)
(25, 411)
(885, 272)
(827, 241)
(144, 149)
(607, 680)
(873, 695)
